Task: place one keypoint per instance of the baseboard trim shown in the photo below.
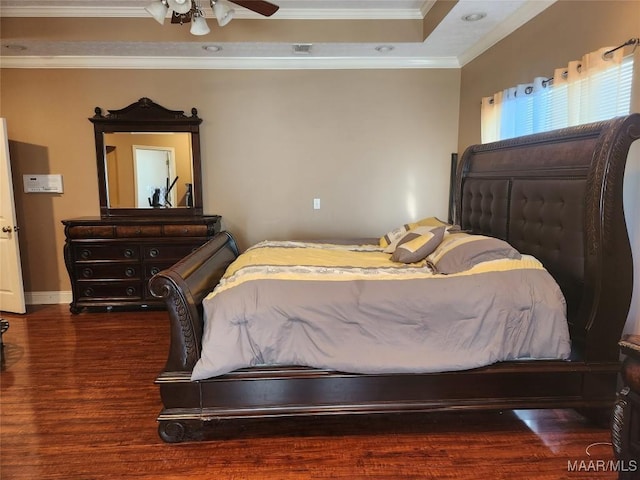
(46, 298)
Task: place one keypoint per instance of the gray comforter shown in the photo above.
(349, 308)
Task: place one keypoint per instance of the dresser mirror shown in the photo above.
(148, 160)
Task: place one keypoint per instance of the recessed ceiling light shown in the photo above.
(15, 47)
(212, 48)
(385, 48)
(474, 17)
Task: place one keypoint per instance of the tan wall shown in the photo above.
(374, 146)
(565, 31)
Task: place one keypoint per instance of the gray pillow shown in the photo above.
(417, 244)
(461, 251)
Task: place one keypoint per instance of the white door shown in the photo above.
(154, 169)
(11, 289)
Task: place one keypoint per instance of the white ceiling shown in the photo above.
(452, 44)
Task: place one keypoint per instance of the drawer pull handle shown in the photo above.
(130, 272)
(131, 291)
(154, 252)
(138, 231)
(128, 253)
(88, 292)
(85, 253)
(155, 271)
(87, 273)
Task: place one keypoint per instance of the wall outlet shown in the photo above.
(316, 204)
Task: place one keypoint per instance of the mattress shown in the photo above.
(350, 308)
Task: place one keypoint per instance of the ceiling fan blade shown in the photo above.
(259, 6)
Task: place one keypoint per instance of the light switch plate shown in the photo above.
(42, 183)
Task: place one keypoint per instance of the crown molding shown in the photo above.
(426, 6)
(226, 63)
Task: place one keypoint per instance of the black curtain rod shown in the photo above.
(631, 41)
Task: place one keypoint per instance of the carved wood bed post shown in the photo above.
(183, 288)
(608, 267)
(177, 286)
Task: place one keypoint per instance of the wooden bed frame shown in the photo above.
(556, 195)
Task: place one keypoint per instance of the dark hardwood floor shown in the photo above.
(78, 402)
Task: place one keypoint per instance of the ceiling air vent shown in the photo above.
(302, 48)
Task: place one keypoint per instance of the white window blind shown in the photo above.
(595, 88)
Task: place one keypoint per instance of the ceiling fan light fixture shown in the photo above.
(199, 24)
(180, 6)
(223, 13)
(189, 11)
(158, 10)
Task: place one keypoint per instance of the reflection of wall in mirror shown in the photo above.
(113, 183)
(123, 194)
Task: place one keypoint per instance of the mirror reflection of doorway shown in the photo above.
(154, 170)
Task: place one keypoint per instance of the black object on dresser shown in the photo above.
(626, 417)
(110, 260)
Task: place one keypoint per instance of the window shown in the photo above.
(595, 88)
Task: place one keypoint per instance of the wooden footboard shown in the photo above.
(183, 286)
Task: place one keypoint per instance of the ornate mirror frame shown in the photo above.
(140, 117)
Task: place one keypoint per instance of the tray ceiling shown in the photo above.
(340, 33)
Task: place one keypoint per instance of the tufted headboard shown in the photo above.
(558, 196)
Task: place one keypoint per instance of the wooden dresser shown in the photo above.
(110, 261)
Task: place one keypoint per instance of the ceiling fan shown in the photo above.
(185, 11)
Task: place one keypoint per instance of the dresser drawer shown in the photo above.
(168, 251)
(106, 252)
(185, 230)
(90, 231)
(138, 231)
(110, 290)
(105, 271)
(151, 268)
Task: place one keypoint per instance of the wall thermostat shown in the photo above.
(42, 183)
